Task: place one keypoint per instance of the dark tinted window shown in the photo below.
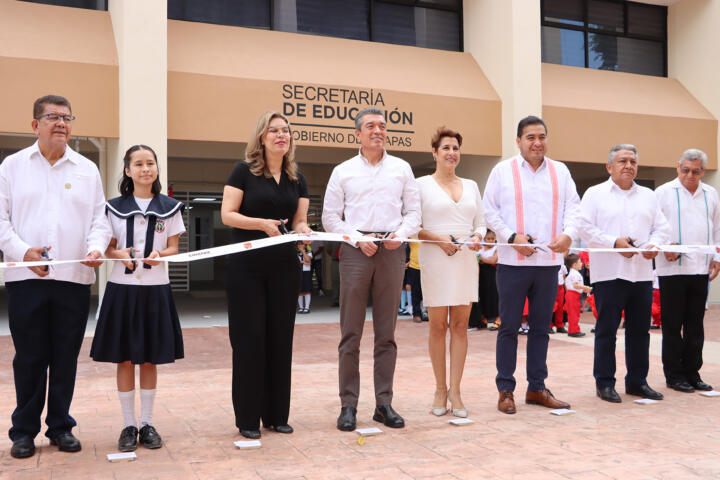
(239, 13)
(423, 23)
(563, 46)
(334, 18)
(606, 35)
(88, 4)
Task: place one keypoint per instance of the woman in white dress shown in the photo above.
(452, 216)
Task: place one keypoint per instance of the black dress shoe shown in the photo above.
(66, 442)
(23, 447)
(702, 386)
(644, 391)
(609, 395)
(149, 438)
(388, 417)
(128, 439)
(283, 428)
(576, 334)
(251, 434)
(561, 330)
(681, 386)
(347, 419)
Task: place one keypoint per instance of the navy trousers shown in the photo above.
(47, 324)
(611, 298)
(539, 286)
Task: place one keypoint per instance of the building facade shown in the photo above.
(191, 77)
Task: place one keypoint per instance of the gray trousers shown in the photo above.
(381, 274)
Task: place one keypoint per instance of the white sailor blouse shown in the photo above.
(145, 231)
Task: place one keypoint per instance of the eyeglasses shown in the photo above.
(279, 131)
(694, 171)
(54, 117)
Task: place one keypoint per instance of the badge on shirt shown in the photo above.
(159, 226)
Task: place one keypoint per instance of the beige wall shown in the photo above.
(693, 37)
(504, 38)
(78, 62)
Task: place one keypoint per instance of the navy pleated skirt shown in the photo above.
(137, 323)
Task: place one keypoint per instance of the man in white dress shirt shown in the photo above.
(52, 203)
(691, 207)
(619, 213)
(529, 199)
(373, 194)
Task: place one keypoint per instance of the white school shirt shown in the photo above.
(157, 275)
(60, 205)
(372, 198)
(561, 274)
(305, 267)
(499, 206)
(572, 278)
(609, 213)
(694, 220)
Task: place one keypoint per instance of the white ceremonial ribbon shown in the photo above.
(337, 237)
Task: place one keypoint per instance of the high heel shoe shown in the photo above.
(460, 412)
(438, 411)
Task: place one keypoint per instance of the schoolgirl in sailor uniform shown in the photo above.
(138, 323)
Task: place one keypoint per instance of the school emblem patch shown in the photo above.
(159, 226)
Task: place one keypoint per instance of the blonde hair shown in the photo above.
(255, 152)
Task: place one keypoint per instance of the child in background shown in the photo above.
(655, 311)
(558, 310)
(305, 257)
(574, 287)
(405, 295)
(488, 287)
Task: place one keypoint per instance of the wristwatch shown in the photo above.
(511, 238)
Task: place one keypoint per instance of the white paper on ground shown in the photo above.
(120, 457)
(711, 393)
(247, 444)
(368, 431)
(460, 421)
(562, 411)
(645, 401)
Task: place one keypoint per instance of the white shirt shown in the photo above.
(609, 213)
(157, 275)
(60, 205)
(499, 206)
(572, 278)
(694, 220)
(561, 274)
(372, 198)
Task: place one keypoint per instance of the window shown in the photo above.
(87, 4)
(422, 23)
(606, 35)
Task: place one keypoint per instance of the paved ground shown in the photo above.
(676, 438)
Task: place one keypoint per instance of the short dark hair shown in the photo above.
(127, 187)
(570, 260)
(530, 120)
(443, 132)
(39, 105)
(366, 111)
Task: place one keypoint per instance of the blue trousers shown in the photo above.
(611, 298)
(47, 324)
(539, 286)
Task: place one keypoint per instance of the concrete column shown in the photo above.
(504, 38)
(693, 59)
(140, 29)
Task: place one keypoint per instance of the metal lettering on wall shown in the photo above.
(326, 115)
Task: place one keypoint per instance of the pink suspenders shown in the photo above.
(519, 211)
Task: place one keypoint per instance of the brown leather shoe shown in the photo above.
(544, 398)
(506, 402)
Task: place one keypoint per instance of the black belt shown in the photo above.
(383, 234)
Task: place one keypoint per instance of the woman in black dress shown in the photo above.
(264, 196)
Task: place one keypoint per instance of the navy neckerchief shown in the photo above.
(160, 207)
